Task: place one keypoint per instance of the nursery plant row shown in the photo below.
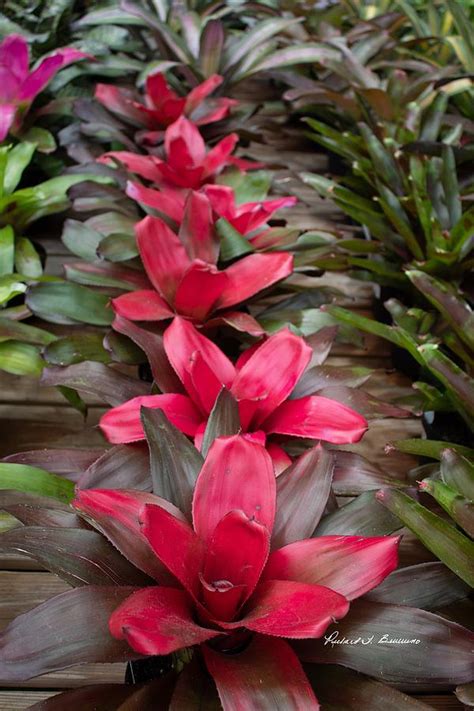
(227, 178)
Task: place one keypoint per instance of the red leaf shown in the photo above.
(252, 274)
(265, 676)
(237, 475)
(351, 565)
(197, 231)
(122, 424)
(116, 515)
(158, 620)
(199, 290)
(237, 552)
(175, 543)
(291, 609)
(146, 305)
(269, 376)
(318, 418)
(163, 256)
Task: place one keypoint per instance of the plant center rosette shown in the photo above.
(224, 590)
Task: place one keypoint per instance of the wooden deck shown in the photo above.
(33, 417)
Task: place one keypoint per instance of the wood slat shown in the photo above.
(20, 700)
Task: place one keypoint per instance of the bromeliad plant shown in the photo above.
(217, 572)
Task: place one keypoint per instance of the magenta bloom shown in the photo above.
(245, 218)
(19, 86)
(230, 595)
(162, 106)
(187, 163)
(261, 381)
(182, 269)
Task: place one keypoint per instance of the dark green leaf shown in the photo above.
(233, 244)
(440, 537)
(174, 462)
(77, 348)
(458, 473)
(223, 421)
(20, 358)
(69, 303)
(364, 516)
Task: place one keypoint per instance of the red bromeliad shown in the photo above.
(19, 86)
(187, 164)
(162, 106)
(245, 218)
(230, 596)
(261, 381)
(182, 268)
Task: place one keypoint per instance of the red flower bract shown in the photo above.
(182, 268)
(162, 106)
(228, 586)
(261, 381)
(187, 163)
(19, 86)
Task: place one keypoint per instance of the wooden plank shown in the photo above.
(20, 700)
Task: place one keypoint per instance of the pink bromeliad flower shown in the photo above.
(245, 218)
(182, 269)
(162, 106)
(19, 86)
(261, 381)
(187, 163)
(233, 597)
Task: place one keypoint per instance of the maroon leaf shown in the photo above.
(321, 343)
(96, 379)
(106, 697)
(353, 474)
(67, 462)
(195, 690)
(126, 466)
(364, 516)
(152, 345)
(80, 557)
(340, 688)
(308, 480)
(364, 403)
(33, 510)
(71, 628)
(174, 461)
(427, 585)
(441, 659)
(266, 676)
(321, 377)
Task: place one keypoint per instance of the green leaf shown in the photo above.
(459, 508)
(446, 299)
(77, 348)
(428, 448)
(7, 250)
(69, 303)
(233, 244)
(261, 32)
(20, 358)
(81, 239)
(18, 331)
(19, 157)
(458, 473)
(440, 537)
(118, 247)
(459, 385)
(309, 53)
(247, 187)
(21, 477)
(27, 260)
(43, 139)
(223, 421)
(174, 462)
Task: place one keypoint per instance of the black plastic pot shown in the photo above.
(147, 669)
(447, 427)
